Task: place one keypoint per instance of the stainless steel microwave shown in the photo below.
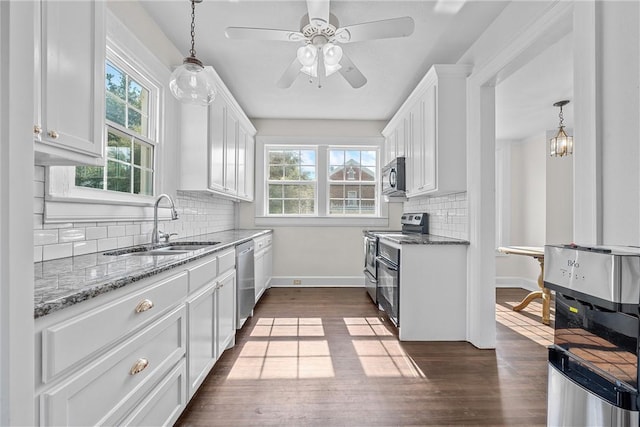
(394, 181)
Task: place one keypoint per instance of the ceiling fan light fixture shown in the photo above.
(307, 55)
(190, 83)
(332, 54)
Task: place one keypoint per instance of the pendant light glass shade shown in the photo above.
(561, 144)
(191, 83)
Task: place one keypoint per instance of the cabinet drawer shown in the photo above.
(67, 343)
(203, 274)
(262, 242)
(106, 390)
(163, 405)
(226, 261)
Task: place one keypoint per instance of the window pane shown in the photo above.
(336, 173)
(307, 207)
(143, 155)
(368, 173)
(90, 176)
(142, 182)
(291, 207)
(276, 157)
(307, 191)
(368, 158)
(352, 157)
(291, 192)
(308, 173)
(308, 157)
(118, 147)
(275, 207)
(292, 173)
(336, 206)
(336, 191)
(115, 81)
(115, 109)
(138, 96)
(135, 122)
(275, 191)
(276, 172)
(336, 157)
(118, 176)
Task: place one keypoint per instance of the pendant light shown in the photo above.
(190, 82)
(561, 144)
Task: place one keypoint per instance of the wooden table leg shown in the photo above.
(543, 293)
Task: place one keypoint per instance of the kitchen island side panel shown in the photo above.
(433, 293)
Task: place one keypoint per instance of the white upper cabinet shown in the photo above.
(217, 145)
(431, 125)
(69, 116)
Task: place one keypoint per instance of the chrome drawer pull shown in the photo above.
(139, 366)
(53, 134)
(144, 305)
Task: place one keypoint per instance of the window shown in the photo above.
(129, 148)
(291, 182)
(352, 182)
(321, 181)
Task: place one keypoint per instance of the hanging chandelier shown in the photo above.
(190, 82)
(561, 144)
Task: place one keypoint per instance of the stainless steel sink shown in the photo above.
(166, 249)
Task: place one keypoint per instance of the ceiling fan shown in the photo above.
(320, 31)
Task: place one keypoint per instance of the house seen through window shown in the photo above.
(129, 150)
(352, 182)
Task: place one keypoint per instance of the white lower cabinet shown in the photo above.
(107, 389)
(263, 263)
(211, 327)
(136, 355)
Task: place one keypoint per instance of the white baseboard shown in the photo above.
(318, 281)
(517, 282)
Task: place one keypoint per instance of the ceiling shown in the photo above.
(393, 67)
(444, 30)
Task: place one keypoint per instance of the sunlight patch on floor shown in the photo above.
(385, 359)
(288, 327)
(366, 326)
(532, 328)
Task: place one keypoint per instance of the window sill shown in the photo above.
(298, 221)
(73, 209)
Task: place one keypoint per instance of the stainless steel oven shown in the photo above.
(389, 280)
(593, 363)
(370, 265)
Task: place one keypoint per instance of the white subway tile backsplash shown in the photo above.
(116, 230)
(92, 233)
(71, 234)
(107, 244)
(198, 214)
(61, 250)
(45, 237)
(448, 215)
(85, 247)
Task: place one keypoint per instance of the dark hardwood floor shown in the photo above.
(327, 357)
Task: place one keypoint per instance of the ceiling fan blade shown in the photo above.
(318, 12)
(351, 73)
(245, 33)
(289, 75)
(385, 29)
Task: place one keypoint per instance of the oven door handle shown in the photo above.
(387, 264)
(369, 276)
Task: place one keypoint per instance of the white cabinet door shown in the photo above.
(259, 274)
(430, 125)
(217, 126)
(73, 50)
(202, 339)
(249, 173)
(73, 43)
(226, 312)
(231, 157)
(268, 266)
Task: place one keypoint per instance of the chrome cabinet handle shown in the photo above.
(140, 365)
(37, 129)
(144, 305)
(53, 134)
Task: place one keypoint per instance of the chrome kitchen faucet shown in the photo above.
(156, 234)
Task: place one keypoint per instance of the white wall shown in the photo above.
(559, 196)
(317, 254)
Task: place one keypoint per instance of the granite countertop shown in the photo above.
(63, 282)
(416, 239)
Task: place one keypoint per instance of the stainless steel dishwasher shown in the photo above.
(245, 286)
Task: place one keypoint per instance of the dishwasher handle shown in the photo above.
(246, 251)
(388, 265)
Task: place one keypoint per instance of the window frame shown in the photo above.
(64, 202)
(267, 181)
(322, 217)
